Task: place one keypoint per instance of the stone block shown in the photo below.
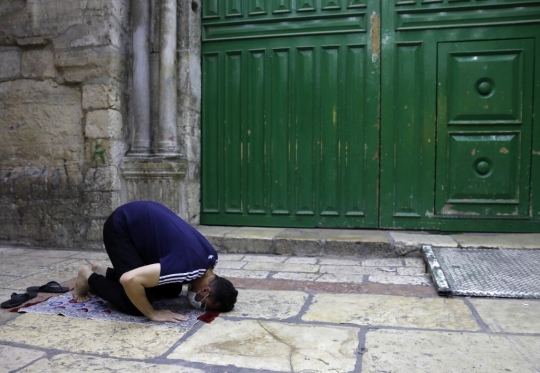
(37, 41)
(7, 7)
(101, 96)
(67, 363)
(416, 240)
(41, 121)
(101, 32)
(214, 235)
(251, 240)
(423, 280)
(281, 267)
(498, 240)
(80, 65)
(239, 273)
(509, 315)
(14, 358)
(103, 124)
(403, 351)
(95, 232)
(10, 62)
(299, 242)
(102, 179)
(268, 304)
(272, 346)
(100, 204)
(113, 340)
(38, 64)
(359, 243)
(392, 311)
(104, 152)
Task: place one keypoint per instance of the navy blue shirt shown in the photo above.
(184, 254)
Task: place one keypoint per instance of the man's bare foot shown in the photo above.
(81, 292)
(99, 268)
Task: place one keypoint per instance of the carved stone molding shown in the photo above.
(154, 179)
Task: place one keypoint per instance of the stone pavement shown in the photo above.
(294, 314)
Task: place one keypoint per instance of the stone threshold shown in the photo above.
(354, 242)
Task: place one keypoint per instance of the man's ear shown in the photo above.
(206, 290)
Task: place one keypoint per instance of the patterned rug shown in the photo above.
(99, 309)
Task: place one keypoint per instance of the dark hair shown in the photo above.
(223, 293)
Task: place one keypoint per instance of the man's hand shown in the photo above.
(167, 316)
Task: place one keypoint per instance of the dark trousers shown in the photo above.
(125, 257)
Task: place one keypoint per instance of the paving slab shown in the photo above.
(424, 280)
(91, 256)
(340, 262)
(265, 258)
(13, 358)
(499, 241)
(296, 276)
(296, 260)
(51, 253)
(240, 273)
(13, 251)
(354, 278)
(383, 262)
(385, 310)
(66, 363)
(508, 315)
(272, 346)
(13, 266)
(419, 351)
(411, 271)
(415, 262)
(263, 284)
(61, 272)
(230, 264)
(268, 304)
(404, 290)
(358, 270)
(281, 267)
(90, 336)
(224, 257)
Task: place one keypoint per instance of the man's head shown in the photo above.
(223, 295)
(218, 294)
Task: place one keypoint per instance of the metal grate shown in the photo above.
(509, 273)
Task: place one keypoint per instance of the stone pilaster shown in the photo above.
(140, 18)
(168, 141)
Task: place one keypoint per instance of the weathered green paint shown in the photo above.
(295, 102)
(458, 133)
(290, 130)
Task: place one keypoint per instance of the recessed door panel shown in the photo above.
(484, 114)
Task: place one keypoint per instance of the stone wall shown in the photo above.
(67, 122)
(63, 118)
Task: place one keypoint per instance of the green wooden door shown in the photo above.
(307, 123)
(290, 121)
(459, 139)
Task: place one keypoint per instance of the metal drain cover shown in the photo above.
(509, 273)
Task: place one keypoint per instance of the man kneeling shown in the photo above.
(154, 252)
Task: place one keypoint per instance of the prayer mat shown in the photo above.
(99, 309)
(505, 273)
